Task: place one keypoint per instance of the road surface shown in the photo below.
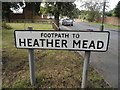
(106, 63)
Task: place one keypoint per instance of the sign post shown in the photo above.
(85, 69)
(31, 63)
(62, 40)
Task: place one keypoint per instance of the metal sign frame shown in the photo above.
(64, 31)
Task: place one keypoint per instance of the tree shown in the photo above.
(70, 10)
(83, 14)
(34, 7)
(76, 13)
(6, 8)
(110, 13)
(61, 8)
(117, 10)
(94, 8)
(42, 10)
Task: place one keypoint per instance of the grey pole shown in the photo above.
(102, 26)
(85, 69)
(31, 63)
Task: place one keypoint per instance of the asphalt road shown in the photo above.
(106, 63)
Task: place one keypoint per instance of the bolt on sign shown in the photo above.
(72, 40)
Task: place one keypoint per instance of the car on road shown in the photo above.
(67, 22)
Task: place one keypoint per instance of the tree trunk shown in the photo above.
(57, 19)
(33, 12)
(57, 14)
(9, 17)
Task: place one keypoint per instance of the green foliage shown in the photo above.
(69, 9)
(83, 14)
(89, 15)
(42, 10)
(49, 8)
(61, 9)
(93, 9)
(65, 9)
(110, 13)
(6, 26)
(117, 10)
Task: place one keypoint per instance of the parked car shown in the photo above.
(67, 22)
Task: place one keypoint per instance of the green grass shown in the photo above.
(54, 68)
(106, 25)
(36, 26)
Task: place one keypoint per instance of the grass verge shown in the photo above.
(36, 26)
(54, 68)
(106, 25)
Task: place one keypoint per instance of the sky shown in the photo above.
(112, 4)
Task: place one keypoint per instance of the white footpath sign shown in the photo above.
(66, 40)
